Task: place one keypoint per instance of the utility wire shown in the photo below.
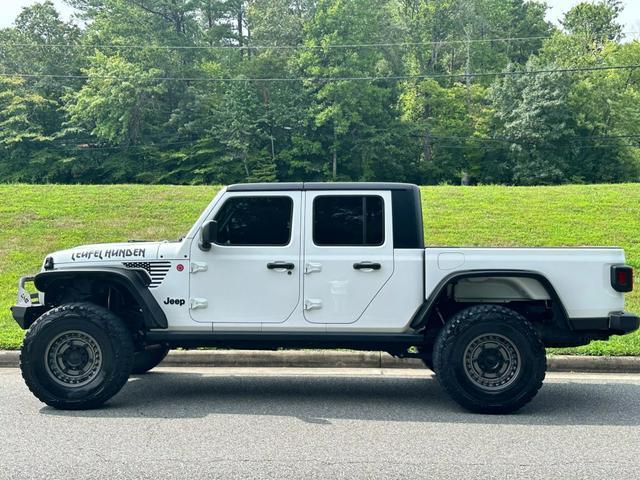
(435, 146)
(509, 140)
(325, 79)
(271, 47)
(86, 143)
(284, 47)
(537, 146)
(87, 146)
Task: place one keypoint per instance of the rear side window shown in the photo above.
(255, 221)
(348, 220)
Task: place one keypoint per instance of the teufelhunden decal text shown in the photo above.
(109, 253)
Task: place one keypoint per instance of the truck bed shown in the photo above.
(580, 276)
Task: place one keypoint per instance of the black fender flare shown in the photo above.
(420, 318)
(135, 281)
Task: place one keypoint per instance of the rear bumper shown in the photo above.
(617, 323)
(623, 322)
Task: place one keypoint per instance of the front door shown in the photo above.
(348, 253)
(252, 274)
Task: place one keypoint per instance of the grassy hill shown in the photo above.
(37, 219)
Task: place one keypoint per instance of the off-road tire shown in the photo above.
(149, 358)
(426, 357)
(452, 359)
(108, 334)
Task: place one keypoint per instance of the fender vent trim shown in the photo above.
(156, 270)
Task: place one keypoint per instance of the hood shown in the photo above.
(107, 252)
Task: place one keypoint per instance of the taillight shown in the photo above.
(622, 278)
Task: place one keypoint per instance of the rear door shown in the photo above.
(348, 253)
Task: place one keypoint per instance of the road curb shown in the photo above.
(570, 363)
(339, 359)
(9, 358)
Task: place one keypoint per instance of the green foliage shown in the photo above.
(533, 114)
(596, 22)
(219, 91)
(38, 219)
(119, 102)
(22, 113)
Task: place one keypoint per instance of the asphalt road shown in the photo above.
(286, 423)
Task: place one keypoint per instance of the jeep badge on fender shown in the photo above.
(175, 301)
(317, 265)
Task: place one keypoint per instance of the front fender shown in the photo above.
(135, 281)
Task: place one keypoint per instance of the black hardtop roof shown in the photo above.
(408, 231)
(275, 187)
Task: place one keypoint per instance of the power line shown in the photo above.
(284, 47)
(469, 138)
(87, 146)
(510, 140)
(90, 143)
(79, 148)
(572, 142)
(542, 147)
(273, 47)
(325, 79)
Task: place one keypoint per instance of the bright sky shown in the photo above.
(630, 16)
(11, 8)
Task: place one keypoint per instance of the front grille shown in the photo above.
(157, 270)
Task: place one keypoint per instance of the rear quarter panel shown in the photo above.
(580, 276)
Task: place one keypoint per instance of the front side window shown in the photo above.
(356, 220)
(255, 221)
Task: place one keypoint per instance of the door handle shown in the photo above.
(367, 266)
(312, 268)
(312, 304)
(280, 266)
(197, 303)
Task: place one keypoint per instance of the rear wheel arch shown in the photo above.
(429, 317)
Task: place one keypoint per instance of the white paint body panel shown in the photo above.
(241, 294)
(237, 284)
(339, 293)
(580, 276)
(393, 307)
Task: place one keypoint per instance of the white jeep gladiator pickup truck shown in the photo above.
(316, 265)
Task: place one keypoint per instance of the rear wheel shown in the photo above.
(76, 356)
(490, 359)
(148, 358)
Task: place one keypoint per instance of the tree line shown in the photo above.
(222, 91)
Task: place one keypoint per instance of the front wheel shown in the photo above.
(76, 356)
(490, 359)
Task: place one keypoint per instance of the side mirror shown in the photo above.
(208, 235)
